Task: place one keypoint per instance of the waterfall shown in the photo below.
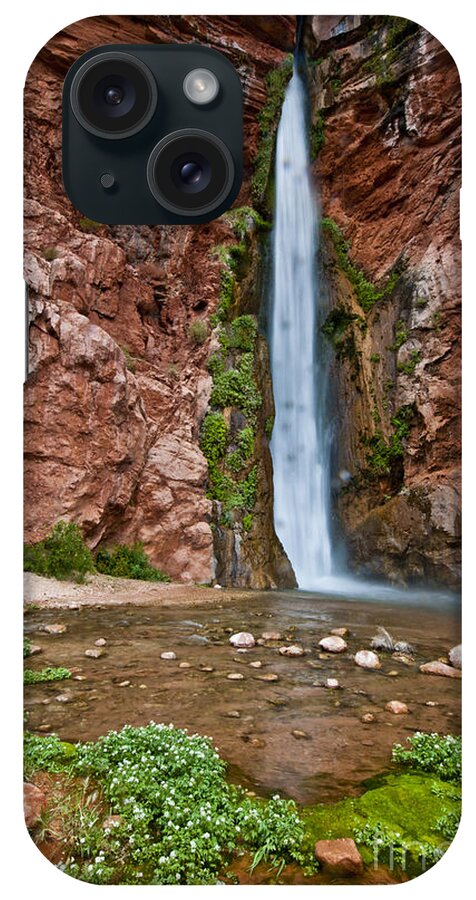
(300, 444)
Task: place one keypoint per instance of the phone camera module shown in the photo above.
(113, 95)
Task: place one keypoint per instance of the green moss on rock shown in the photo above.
(383, 451)
(407, 807)
(367, 294)
(275, 82)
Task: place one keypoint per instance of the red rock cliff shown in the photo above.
(386, 113)
(118, 385)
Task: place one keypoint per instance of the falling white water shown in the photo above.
(300, 444)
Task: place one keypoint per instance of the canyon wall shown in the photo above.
(149, 405)
(120, 334)
(386, 132)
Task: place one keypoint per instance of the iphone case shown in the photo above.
(242, 477)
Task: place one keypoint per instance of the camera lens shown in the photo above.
(113, 95)
(190, 172)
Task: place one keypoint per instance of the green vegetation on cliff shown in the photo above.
(395, 30)
(385, 451)
(276, 82)
(63, 554)
(338, 327)
(124, 561)
(316, 134)
(367, 294)
(228, 431)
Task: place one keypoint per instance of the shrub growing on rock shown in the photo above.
(128, 562)
(63, 554)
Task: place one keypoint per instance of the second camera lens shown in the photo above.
(190, 172)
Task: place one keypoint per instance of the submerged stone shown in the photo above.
(367, 659)
(397, 707)
(455, 656)
(242, 639)
(54, 629)
(333, 644)
(439, 668)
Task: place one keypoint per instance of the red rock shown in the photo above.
(438, 668)
(339, 857)
(34, 802)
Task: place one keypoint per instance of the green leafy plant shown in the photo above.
(317, 134)
(130, 361)
(48, 674)
(26, 647)
(45, 754)
(123, 561)
(245, 441)
(86, 224)
(384, 452)
(401, 335)
(49, 253)
(244, 220)
(408, 366)
(338, 329)
(63, 554)
(214, 436)
(367, 294)
(177, 819)
(247, 522)
(448, 825)
(275, 83)
(198, 331)
(435, 753)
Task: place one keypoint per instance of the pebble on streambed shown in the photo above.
(293, 650)
(242, 640)
(333, 644)
(53, 629)
(439, 668)
(367, 659)
(94, 652)
(397, 707)
(168, 654)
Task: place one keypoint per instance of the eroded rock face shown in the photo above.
(118, 386)
(388, 172)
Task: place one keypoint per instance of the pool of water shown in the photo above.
(252, 720)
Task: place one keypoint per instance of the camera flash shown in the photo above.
(201, 86)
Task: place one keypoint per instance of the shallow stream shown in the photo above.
(250, 719)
